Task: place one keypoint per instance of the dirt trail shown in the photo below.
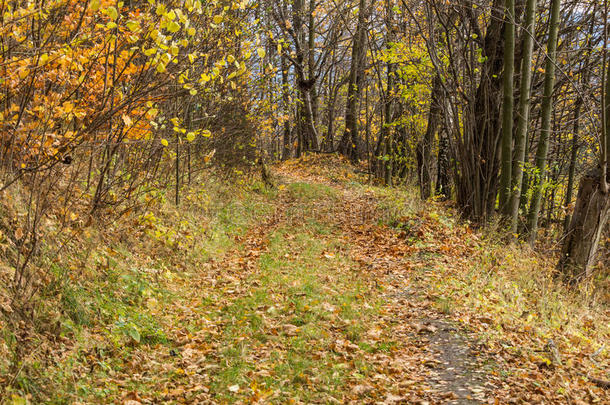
(438, 356)
(452, 368)
(318, 303)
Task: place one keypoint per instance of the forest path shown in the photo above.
(320, 301)
(441, 362)
(324, 289)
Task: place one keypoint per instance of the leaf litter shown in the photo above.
(327, 300)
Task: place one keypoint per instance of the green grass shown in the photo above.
(306, 192)
(295, 317)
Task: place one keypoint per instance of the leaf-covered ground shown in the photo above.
(323, 290)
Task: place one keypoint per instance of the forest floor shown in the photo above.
(322, 290)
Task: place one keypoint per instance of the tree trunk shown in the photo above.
(388, 112)
(547, 108)
(523, 114)
(424, 147)
(507, 106)
(443, 182)
(349, 141)
(573, 157)
(308, 136)
(311, 63)
(286, 102)
(582, 238)
(477, 174)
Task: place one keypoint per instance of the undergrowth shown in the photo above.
(501, 290)
(172, 296)
(104, 294)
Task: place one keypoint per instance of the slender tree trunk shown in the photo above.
(386, 131)
(507, 106)
(311, 62)
(424, 148)
(523, 114)
(547, 108)
(477, 158)
(443, 183)
(605, 136)
(349, 141)
(286, 103)
(573, 157)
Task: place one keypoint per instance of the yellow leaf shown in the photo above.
(206, 133)
(95, 5)
(68, 107)
(205, 77)
(173, 26)
(164, 142)
(217, 19)
(190, 136)
(133, 26)
(261, 52)
(112, 12)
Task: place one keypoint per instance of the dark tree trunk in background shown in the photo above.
(286, 101)
(443, 181)
(313, 92)
(477, 179)
(508, 80)
(573, 157)
(545, 127)
(583, 235)
(308, 136)
(523, 112)
(424, 147)
(387, 132)
(349, 142)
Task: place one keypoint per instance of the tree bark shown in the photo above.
(573, 157)
(443, 182)
(349, 142)
(387, 132)
(286, 102)
(507, 106)
(547, 108)
(523, 114)
(478, 161)
(424, 147)
(582, 238)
